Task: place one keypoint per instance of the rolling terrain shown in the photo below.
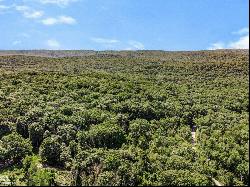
(124, 117)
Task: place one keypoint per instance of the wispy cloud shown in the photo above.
(105, 40)
(110, 43)
(4, 8)
(241, 43)
(17, 42)
(242, 31)
(61, 3)
(217, 45)
(29, 12)
(59, 20)
(135, 45)
(53, 44)
(24, 35)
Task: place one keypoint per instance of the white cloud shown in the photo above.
(22, 8)
(67, 20)
(108, 43)
(241, 43)
(3, 8)
(34, 14)
(242, 31)
(61, 3)
(17, 42)
(136, 45)
(105, 40)
(29, 12)
(217, 45)
(59, 20)
(53, 44)
(49, 21)
(25, 35)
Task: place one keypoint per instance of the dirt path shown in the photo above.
(217, 183)
(193, 133)
(193, 138)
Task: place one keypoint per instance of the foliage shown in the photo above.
(35, 175)
(125, 118)
(50, 150)
(14, 147)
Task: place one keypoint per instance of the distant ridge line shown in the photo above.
(79, 53)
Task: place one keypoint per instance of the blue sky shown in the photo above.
(124, 24)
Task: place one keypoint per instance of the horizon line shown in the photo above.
(228, 49)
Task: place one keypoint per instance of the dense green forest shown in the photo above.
(124, 118)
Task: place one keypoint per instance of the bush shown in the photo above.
(15, 147)
(104, 135)
(50, 151)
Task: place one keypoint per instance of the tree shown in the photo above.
(104, 135)
(67, 133)
(4, 130)
(50, 151)
(36, 134)
(140, 133)
(35, 175)
(16, 147)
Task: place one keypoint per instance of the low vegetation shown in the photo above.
(124, 118)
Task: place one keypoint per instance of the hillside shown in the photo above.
(124, 117)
